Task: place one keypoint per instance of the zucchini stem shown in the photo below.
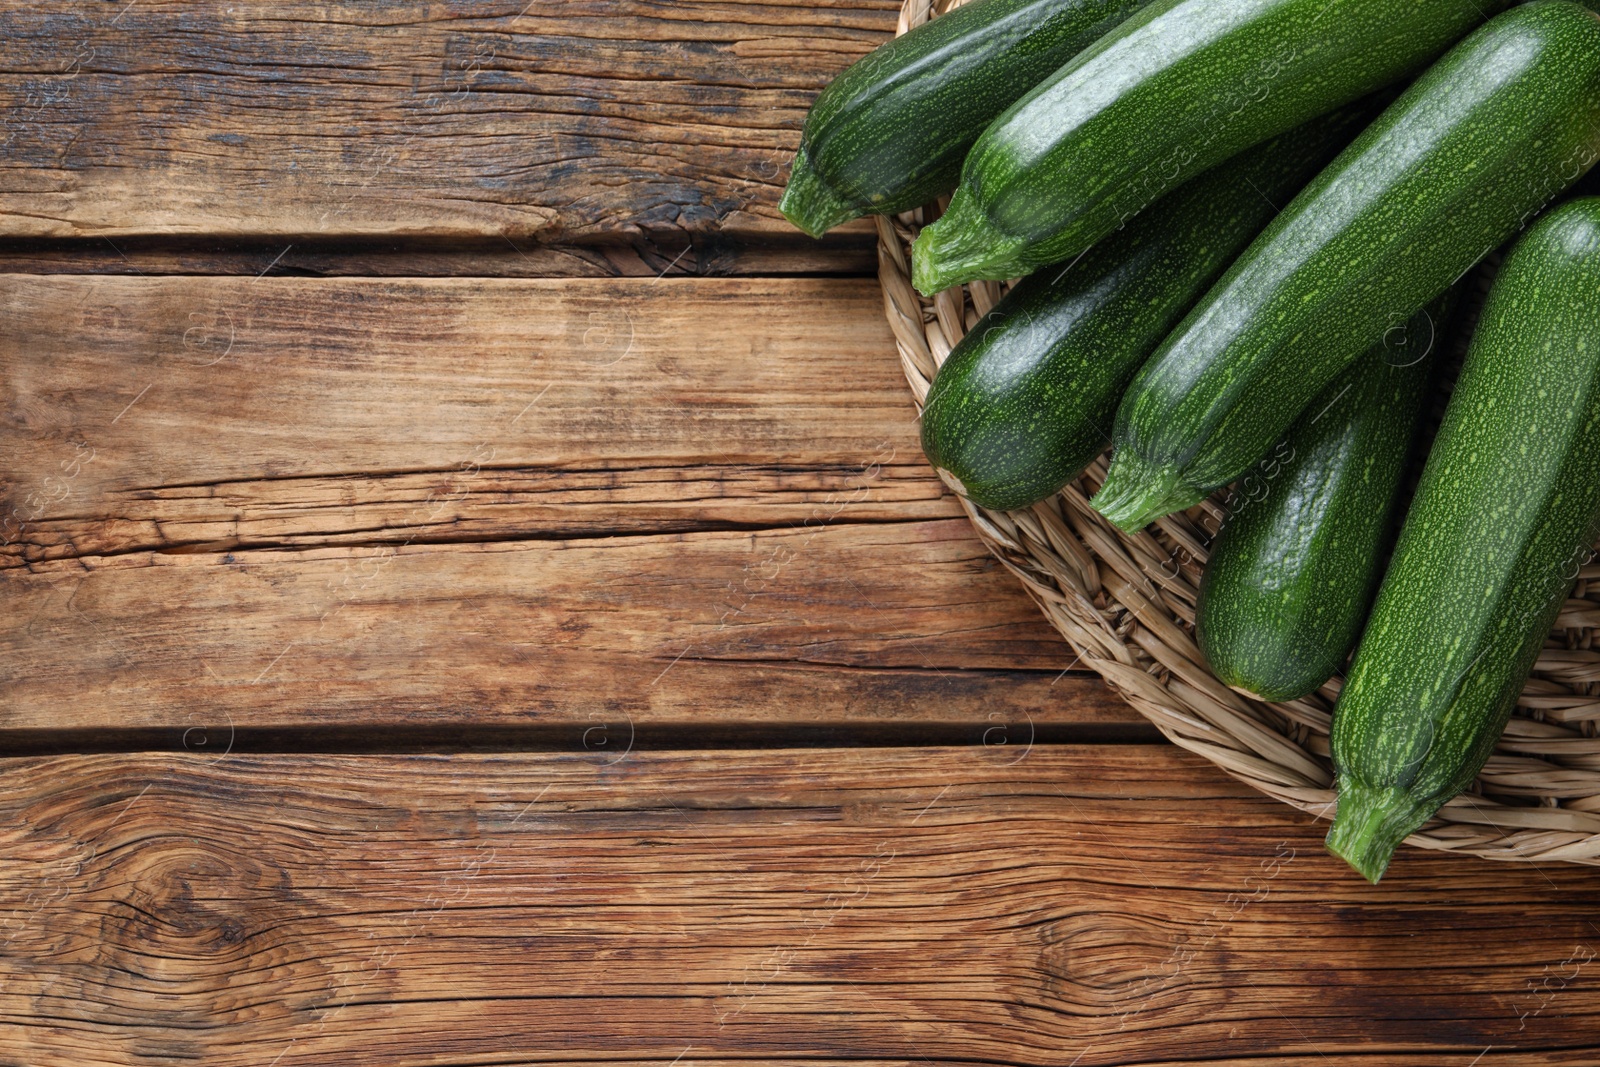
(1137, 492)
(810, 203)
(963, 245)
(1371, 822)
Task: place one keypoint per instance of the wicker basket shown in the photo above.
(1126, 605)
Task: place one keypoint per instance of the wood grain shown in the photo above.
(1089, 906)
(245, 504)
(469, 119)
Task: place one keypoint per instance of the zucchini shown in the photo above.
(1294, 567)
(1176, 88)
(1026, 400)
(889, 133)
(1476, 146)
(1506, 510)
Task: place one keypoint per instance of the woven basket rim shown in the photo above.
(1125, 605)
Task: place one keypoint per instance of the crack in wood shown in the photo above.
(575, 533)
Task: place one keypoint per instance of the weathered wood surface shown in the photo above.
(247, 504)
(474, 118)
(1089, 906)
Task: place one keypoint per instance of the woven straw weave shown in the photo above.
(1126, 605)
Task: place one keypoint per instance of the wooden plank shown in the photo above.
(672, 504)
(188, 381)
(176, 413)
(858, 622)
(476, 118)
(1091, 906)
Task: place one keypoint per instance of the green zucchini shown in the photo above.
(1026, 400)
(1476, 146)
(1507, 508)
(889, 133)
(1175, 89)
(1294, 567)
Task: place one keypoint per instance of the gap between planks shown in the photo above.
(851, 252)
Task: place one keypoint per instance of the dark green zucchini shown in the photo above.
(1026, 399)
(889, 134)
(1507, 508)
(1294, 567)
(1169, 93)
(1475, 147)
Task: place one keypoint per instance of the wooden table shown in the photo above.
(472, 595)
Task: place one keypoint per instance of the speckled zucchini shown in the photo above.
(890, 133)
(1471, 151)
(1504, 515)
(1026, 399)
(1169, 93)
(1294, 568)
